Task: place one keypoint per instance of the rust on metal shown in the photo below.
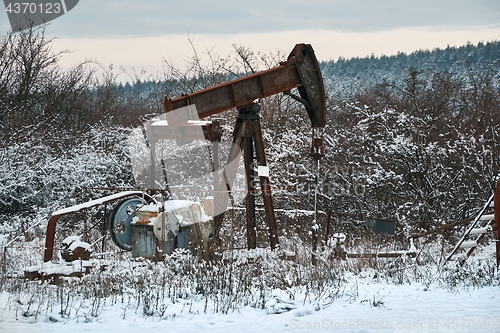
(51, 225)
(301, 71)
(250, 197)
(317, 149)
(496, 226)
(75, 250)
(265, 187)
(247, 134)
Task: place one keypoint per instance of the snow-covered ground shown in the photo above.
(364, 307)
(395, 296)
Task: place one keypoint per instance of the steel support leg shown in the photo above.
(223, 191)
(250, 197)
(246, 130)
(265, 187)
(496, 203)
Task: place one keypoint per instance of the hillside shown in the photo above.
(348, 76)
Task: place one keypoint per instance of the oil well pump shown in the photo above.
(300, 71)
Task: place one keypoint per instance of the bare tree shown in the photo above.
(36, 96)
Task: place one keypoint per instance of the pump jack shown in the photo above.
(301, 71)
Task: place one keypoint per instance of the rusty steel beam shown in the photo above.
(51, 225)
(250, 197)
(301, 71)
(496, 226)
(265, 186)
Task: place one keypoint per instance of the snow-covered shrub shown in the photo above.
(37, 179)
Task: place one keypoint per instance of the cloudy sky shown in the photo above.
(139, 34)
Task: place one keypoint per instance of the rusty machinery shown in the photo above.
(300, 71)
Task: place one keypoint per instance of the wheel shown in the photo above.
(119, 222)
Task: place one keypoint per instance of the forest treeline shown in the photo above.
(415, 138)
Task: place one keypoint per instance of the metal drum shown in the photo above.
(119, 222)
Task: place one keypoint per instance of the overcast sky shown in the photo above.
(139, 33)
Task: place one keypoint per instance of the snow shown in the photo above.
(3, 239)
(489, 217)
(70, 239)
(479, 231)
(149, 208)
(81, 244)
(364, 307)
(199, 122)
(340, 236)
(468, 244)
(289, 212)
(96, 202)
(64, 268)
(161, 123)
(181, 210)
(389, 143)
(73, 242)
(172, 205)
(412, 249)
